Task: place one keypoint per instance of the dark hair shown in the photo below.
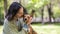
(13, 9)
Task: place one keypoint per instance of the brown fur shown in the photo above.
(31, 31)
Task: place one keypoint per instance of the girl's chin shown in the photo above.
(20, 16)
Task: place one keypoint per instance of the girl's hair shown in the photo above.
(13, 9)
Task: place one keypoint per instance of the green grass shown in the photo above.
(47, 29)
(43, 29)
(1, 28)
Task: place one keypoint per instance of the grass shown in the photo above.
(47, 29)
(1, 28)
(43, 29)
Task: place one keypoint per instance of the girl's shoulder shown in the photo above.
(5, 20)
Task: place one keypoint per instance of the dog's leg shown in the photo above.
(31, 31)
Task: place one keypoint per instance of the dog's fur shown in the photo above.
(30, 27)
(31, 31)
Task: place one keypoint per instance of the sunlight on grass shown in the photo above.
(46, 29)
(1, 29)
(43, 29)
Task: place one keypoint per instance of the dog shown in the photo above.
(30, 31)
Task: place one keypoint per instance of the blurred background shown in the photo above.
(46, 14)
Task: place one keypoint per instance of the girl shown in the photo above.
(13, 23)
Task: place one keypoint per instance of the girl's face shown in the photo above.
(20, 13)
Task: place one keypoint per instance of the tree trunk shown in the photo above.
(42, 14)
(50, 6)
(49, 11)
(5, 7)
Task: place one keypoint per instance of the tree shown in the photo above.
(1, 12)
(5, 6)
(42, 14)
(50, 10)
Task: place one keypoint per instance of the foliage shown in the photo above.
(33, 4)
(56, 11)
(1, 9)
(36, 5)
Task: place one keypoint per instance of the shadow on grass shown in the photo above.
(57, 24)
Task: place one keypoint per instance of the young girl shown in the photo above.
(13, 23)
